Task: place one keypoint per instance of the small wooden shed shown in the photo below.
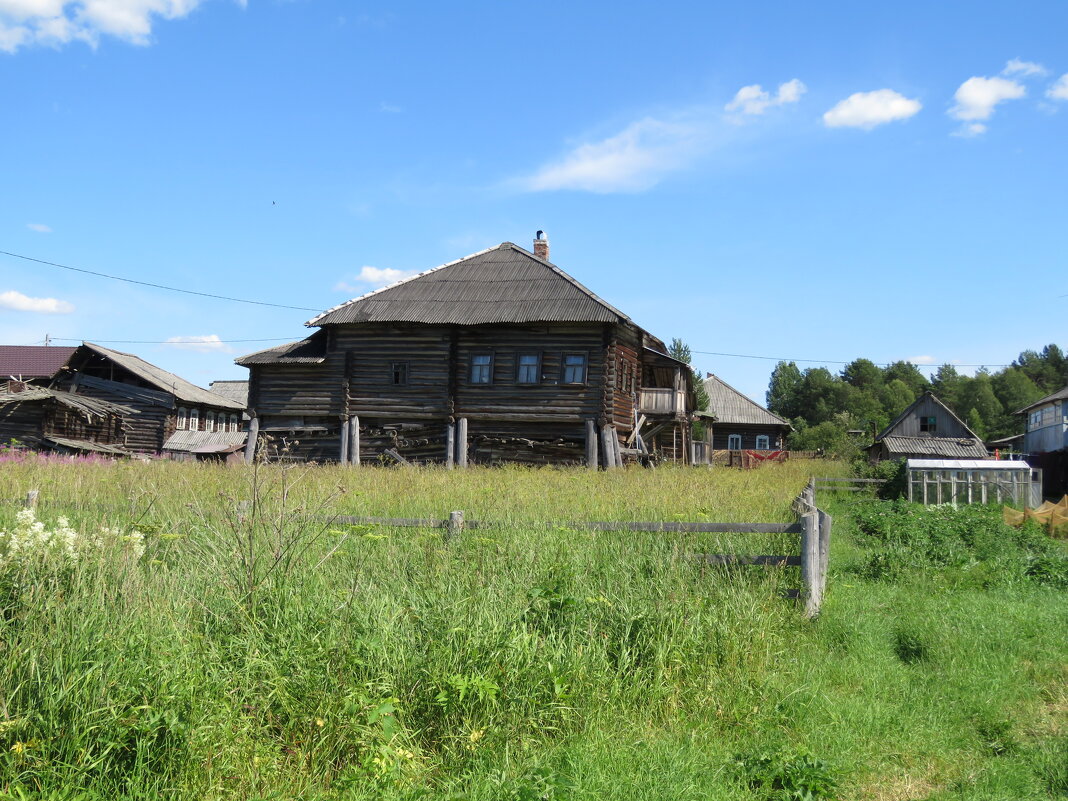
(927, 429)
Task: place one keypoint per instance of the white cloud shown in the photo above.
(977, 97)
(1024, 69)
(754, 100)
(632, 160)
(922, 359)
(59, 22)
(869, 109)
(1059, 89)
(208, 343)
(969, 130)
(16, 301)
(389, 108)
(373, 278)
(40, 228)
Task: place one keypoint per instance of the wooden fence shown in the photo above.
(813, 526)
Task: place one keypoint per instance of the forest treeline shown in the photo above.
(863, 398)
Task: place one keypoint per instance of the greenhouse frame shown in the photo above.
(959, 481)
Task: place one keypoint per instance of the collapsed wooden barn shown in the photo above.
(174, 417)
(498, 356)
(39, 418)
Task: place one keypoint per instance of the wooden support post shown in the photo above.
(450, 445)
(591, 445)
(354, 441)
(31, 499)
(608, 456)
(344, 441)
(461, 442)
(615, 447)
(825, 521)
(810, 562)
(250, 441)
(455, 526)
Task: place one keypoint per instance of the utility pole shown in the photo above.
(48, 340)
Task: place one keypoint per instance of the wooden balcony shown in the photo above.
(662, 401)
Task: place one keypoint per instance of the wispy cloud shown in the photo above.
(754, 100)
(208, 343)
(632, 160)
(922, 360)
(1024, 69)
(977, 98)
(40, 228)
(59, 22)
(868, 109)
(389, 108)
(372, 278)
(16, 301)
(1059, 89)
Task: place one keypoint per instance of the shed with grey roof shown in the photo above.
(740, 422)
(927, 428)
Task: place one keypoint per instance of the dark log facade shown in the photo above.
(520, 390)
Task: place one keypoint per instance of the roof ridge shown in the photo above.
(373, 292)
(746, 397)
(886, 431)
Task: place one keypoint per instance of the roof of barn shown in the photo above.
(160, 378)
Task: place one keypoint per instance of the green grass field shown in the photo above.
(271, 655)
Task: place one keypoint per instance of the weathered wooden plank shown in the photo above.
(810, 562)
(740, 559)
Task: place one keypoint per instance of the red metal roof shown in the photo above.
(32, 361)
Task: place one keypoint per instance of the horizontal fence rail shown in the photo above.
(813, 527)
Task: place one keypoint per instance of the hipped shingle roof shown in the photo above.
(504, 284)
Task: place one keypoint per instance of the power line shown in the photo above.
(171, 341)
(830, 361)
(155, 286)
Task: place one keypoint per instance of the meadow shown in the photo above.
(209, 632)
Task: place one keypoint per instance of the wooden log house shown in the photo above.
(174, 417)
(497, 357)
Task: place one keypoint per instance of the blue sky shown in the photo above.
(811, 181)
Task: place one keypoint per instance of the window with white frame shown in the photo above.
(183, 418)
(234, 423)
(734, 442)
(209, 422)
(482, 368)
(528, 368)
(574, 371)
(762, 443)
(194, 419)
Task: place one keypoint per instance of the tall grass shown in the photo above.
(519, 662)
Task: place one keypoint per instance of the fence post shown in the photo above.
(825, 549)
(810, 562)
(31, 499)
(455, 526)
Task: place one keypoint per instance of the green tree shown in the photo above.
(783, 397)
(864, 375)
(979, 395)
(976, 423)
(948, 385)
(896, 397)
(910, 374)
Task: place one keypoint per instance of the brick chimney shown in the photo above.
(541, 245)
